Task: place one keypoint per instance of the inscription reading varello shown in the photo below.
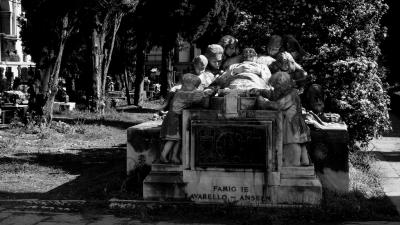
(229, 193)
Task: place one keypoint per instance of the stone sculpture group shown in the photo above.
(276, 80)
(236, 131)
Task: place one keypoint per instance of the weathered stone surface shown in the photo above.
(330, 155)
(243, 187)
(229, 159)
(63, 106)
(164, 186)
(238, 144)
(143, 144)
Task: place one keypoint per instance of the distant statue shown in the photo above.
(296, 134)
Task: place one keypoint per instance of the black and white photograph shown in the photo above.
(172, 112)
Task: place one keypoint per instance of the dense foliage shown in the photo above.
(342, 38)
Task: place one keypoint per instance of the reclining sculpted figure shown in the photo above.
(246, 75)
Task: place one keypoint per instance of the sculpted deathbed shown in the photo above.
(245, 75)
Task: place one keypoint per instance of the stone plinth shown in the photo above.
(165, 182)
(143, 144)
(298, 185)
(230, 153)
(239, 159)
(245, 187)
(63, 106)
(330, 154)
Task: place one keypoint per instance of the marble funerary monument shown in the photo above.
(231, 152)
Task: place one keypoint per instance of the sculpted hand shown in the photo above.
(208, 92)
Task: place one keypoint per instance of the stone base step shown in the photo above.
(311, 195)
(298, 172)
(164, 186)
(298, 185)
(166, 167)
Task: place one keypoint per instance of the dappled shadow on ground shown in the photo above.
(137, 110)
(101, 173)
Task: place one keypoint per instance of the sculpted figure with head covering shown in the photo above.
(230, 56)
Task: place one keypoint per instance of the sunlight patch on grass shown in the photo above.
(17, 177)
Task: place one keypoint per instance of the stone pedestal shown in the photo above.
(329, 152)
(232, 154)
(165, 182)
(143, 144)
(298, 185)
(63, 106)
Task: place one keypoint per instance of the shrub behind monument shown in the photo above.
(342, 38)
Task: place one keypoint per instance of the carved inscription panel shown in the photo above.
(231, 144)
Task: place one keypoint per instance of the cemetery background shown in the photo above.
(369, 204)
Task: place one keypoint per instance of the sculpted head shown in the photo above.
(285, 62)
(249, 54)
(274, 45)
(282, 84)
(229, 44)
(315, 98)
(200, 63)
(214, 54)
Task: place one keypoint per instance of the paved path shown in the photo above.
(12, 217)
(388, 153)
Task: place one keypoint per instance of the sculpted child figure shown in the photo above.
(200, 63)
(214, 54)
(286, 63)
(295, 131)
(171, 131)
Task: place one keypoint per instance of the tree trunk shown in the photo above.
(140, 58)
(96, 65)
(165, 70)
(128, 96)
(102, 53)
(52, 89)
(107, 59)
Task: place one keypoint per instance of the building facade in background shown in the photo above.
(13, 61)
(181, 61)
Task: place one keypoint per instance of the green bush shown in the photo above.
(342, 38)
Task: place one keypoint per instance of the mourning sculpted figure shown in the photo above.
(230, 56)
(214, 54)
(296, 134)
(171, 131)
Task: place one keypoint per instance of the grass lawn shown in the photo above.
(62, 162)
